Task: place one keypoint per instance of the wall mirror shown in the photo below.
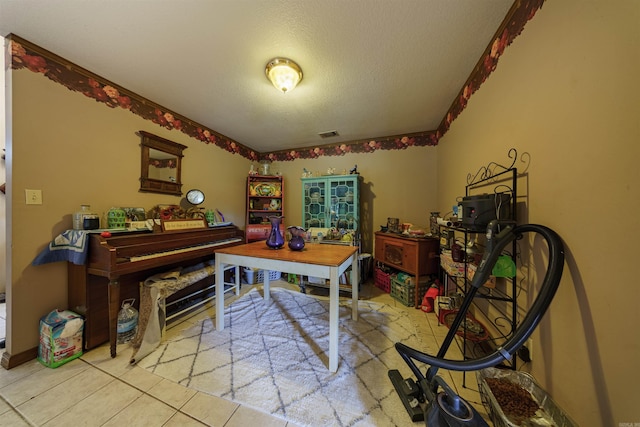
(161, 165)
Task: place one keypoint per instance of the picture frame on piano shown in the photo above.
(135, 214)
(184, 224)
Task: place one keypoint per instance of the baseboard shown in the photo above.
(11, 361)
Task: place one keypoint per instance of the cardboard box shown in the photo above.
(60, 338)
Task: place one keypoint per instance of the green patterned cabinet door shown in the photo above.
(331, 201)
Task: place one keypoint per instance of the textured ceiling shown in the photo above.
(372, 68)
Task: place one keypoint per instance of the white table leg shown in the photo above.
(219, 294)
(355, 282)
(237, 275)
(334, 293)
(267, 283)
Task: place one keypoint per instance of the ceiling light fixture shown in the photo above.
(284, 74)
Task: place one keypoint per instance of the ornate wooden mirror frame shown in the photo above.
(161, 165)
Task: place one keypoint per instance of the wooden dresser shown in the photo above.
(415, 256)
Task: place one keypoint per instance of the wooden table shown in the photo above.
(325, 261)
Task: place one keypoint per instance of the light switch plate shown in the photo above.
(33, 197)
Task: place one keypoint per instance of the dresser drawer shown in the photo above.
(411, 255)
(397, 254)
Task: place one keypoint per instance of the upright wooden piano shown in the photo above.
(116, 265)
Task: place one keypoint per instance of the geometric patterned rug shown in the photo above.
(273, 357)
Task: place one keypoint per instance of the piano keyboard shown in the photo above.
(182, 250)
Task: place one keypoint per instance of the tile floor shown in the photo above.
(96, 390)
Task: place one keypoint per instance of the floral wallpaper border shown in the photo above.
(25, 55)
(163, 163)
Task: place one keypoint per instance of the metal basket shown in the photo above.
(549, 414)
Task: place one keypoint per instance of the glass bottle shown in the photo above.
(264, 167)
(78, 217)
(127, 322)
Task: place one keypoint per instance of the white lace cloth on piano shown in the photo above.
(152, 316)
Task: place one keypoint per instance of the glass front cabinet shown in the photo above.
(331, 201)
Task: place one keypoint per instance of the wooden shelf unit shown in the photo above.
(265, 198)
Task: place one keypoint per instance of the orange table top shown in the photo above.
(313, 253)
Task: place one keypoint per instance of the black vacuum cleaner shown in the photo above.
(428, 398)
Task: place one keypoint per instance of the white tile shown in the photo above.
(140, 378)
(246, 416)
(171, 393)
(42, 380)
(101, 358)
(97, 408)
(4, 407)
(211, 410)
(182, 420)
(143, 412)
(13, 419)
(9, 376)
(58, 399)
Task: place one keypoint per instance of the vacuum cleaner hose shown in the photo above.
(531, 319)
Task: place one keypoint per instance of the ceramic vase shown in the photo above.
(297, 240)
(276, 239)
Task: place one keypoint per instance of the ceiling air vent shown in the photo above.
(328, 134)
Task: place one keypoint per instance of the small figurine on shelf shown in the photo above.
(306, 173)
(354, 170)
(274, 205)
(252, 171)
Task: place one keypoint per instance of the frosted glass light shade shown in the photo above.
(284, 74)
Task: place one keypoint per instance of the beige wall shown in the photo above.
(566, 92)
(77, 151)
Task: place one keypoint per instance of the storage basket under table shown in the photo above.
(253, 276)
